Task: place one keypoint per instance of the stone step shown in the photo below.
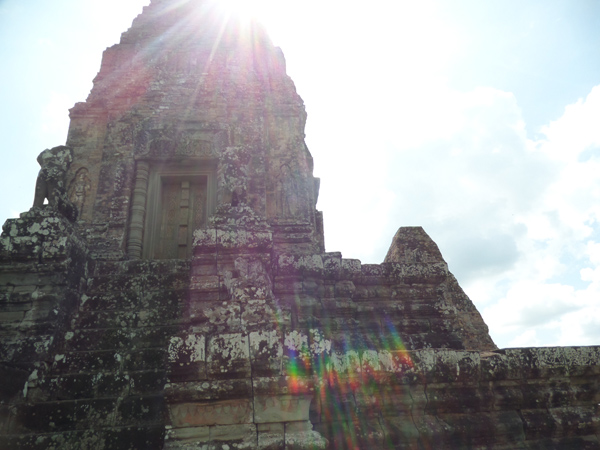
(47, 417)
(101, 284)
(137, 267)
(150, 437)
(126, 319)
(85, 386)
(100, 385)
(431, 340)
(119, 338)
(65, 415)
(24, 349)
(121, 300)
(160, 299)
(109, 361)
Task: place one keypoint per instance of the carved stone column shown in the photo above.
(138, 210)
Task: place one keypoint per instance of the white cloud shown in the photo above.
(529, 304)
(576, 130)
(516, 219)
(557, 246)
(55, 116)
(526, 339)
(593, 252)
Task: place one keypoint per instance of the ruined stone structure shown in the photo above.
(183, 297)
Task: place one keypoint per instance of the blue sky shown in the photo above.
(476, 120)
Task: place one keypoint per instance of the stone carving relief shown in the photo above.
(50, 184)
(122, 133)
(287, 196)
(79, 189)
(185, 147)
(233, 175)
(166, 142)
(162, 147)
(238, 196)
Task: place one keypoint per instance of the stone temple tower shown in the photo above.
(170, 287)
(191, 112)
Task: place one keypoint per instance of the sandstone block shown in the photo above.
(271, 436)
(221, 412)
(266, 352)
(233, 436)
(176, 438)
(281, 408)
(140, 410)
(208, 390)
(229, 356)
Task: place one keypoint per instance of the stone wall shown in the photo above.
(43, 270)
(242, 347)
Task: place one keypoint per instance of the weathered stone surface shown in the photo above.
(192, 304)
(51, 183)
(281, 408)
(303, 437)
(223, 412)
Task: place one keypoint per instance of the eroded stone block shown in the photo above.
(281, 408)
(221, 412)
(229, 356)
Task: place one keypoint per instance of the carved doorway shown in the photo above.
(181, 210)
(180, 200)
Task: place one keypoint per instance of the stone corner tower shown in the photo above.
(174, 292)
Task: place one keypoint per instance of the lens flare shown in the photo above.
(353, 382)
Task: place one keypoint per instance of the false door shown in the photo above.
(177, 205)
(181, 210)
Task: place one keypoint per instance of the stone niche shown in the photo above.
(171, 199)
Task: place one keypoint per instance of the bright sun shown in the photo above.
(269, 13)
(247, 9)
